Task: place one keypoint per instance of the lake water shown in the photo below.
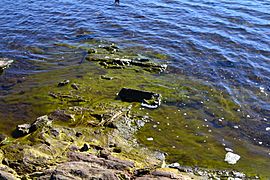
(225, 43)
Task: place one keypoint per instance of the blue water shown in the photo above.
(226, 43)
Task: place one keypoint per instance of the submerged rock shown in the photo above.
(62, 116)
(63, 83)
(148, 99)
(231, 158)
(75, 86)
(120, 61)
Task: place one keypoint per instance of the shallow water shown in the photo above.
(223, 43)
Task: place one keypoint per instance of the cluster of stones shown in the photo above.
(114, 60)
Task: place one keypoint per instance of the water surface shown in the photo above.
(223, 43)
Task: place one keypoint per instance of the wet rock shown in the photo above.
(148, 99)
(180, 168)
(75, 86)
(238, 174)
(231, 158)
(63, 83)
(53, 95)
(111, 49)
(228, 150)
(21, 130)
(55, 132)
(24, 129)
(106, 77)
(85, 147)
(117, 150)
(110, 61)
(78, 134)
(91, 51)
(40, 122)
(4, 63)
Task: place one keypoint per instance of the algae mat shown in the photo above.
(194, 124)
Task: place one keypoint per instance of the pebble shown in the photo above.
(235, 127)
(185, 114)
(267, 129)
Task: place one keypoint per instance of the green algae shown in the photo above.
(178, 127)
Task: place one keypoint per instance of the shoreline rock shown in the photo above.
(4, 63)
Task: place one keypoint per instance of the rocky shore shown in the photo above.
(88, 131)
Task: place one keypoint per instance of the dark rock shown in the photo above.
(78, 134)
(75, 86)
(148, 99)
(21, 130)
(63, 83)
(53, 95)
(55, 132)
(85, 147)
(111, 125)
(117, 150)
(141, 172)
